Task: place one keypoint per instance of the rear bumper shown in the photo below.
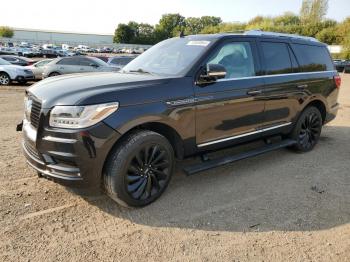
(72, 158)
(332, 113)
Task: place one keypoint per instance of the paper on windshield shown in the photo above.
(198, 43)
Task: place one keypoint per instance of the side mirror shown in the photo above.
(94, 65)
(213, 73)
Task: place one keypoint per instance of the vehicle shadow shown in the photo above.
(278, 191)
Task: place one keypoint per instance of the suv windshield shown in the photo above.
(4, 62)
(172, 57)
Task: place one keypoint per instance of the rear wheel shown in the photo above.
(54, 74)
(307, 130)
(4, 79)
(22, 81)
(138, 170)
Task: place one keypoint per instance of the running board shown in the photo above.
(191, 170)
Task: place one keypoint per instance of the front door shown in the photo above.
(232, 108)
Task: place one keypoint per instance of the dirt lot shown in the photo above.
(279, 206)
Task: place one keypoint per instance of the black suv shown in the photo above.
(185, 96)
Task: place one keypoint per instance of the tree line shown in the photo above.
(311, 21)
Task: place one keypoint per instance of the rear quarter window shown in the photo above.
(313, 58)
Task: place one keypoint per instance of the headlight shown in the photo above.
(27, 107)
(80, 116)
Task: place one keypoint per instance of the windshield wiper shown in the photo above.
(140, 70)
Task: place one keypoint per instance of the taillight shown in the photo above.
(337, 81)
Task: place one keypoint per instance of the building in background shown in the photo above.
(58, 37)
(335, 49)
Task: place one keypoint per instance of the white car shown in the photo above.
(9, 73)
(38, 68)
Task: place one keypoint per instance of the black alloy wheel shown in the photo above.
(148, 172)
(139, 168)
(308, 129)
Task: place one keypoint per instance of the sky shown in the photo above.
(103, 16)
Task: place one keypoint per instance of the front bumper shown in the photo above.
(24, 77)
(70, 157)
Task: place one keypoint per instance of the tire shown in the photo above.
(307, 130)
(139, 169)
(22, 82)
(54, 74)
(4, 79)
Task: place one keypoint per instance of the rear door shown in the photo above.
(283, 86)
(232, 108)
(69, 65)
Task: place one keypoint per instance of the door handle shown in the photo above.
(302, 86)
(254, 92)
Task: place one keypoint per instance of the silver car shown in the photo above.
(76, 64)
(38, 68)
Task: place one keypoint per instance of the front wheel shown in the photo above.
(307, 130)
(139, 169)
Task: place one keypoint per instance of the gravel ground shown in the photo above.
(280, 206)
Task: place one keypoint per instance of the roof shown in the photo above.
(256, 33)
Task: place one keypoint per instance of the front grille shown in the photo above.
(32, 150)
(35, 113)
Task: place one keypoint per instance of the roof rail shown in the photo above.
(266, 33)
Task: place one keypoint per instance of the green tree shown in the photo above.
(123, 34)
(145, 34)
(343, 37)
(327, 35)
(6, 31)
(194, 25)
(170, 25)
(224, 28)
(313, 11)
(286, 19)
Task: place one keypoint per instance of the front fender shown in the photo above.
(181, 119)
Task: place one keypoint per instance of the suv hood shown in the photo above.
(94, 88)
(12, 67)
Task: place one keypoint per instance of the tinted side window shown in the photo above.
(237, 59)
(313, 58)
(69, 61)
(276, 57)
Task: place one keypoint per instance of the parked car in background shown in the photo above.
(25, 51)
(76, 64)
(103, 58)
(10, 72)
(339, 64)
(120, 61)
(7, 51)
(16, 60)
(38, 68)
(347, 68)
(64, 53)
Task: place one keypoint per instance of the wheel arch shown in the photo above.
(163, 129)
(320, 105)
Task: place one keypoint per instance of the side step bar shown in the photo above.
(191, 170)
